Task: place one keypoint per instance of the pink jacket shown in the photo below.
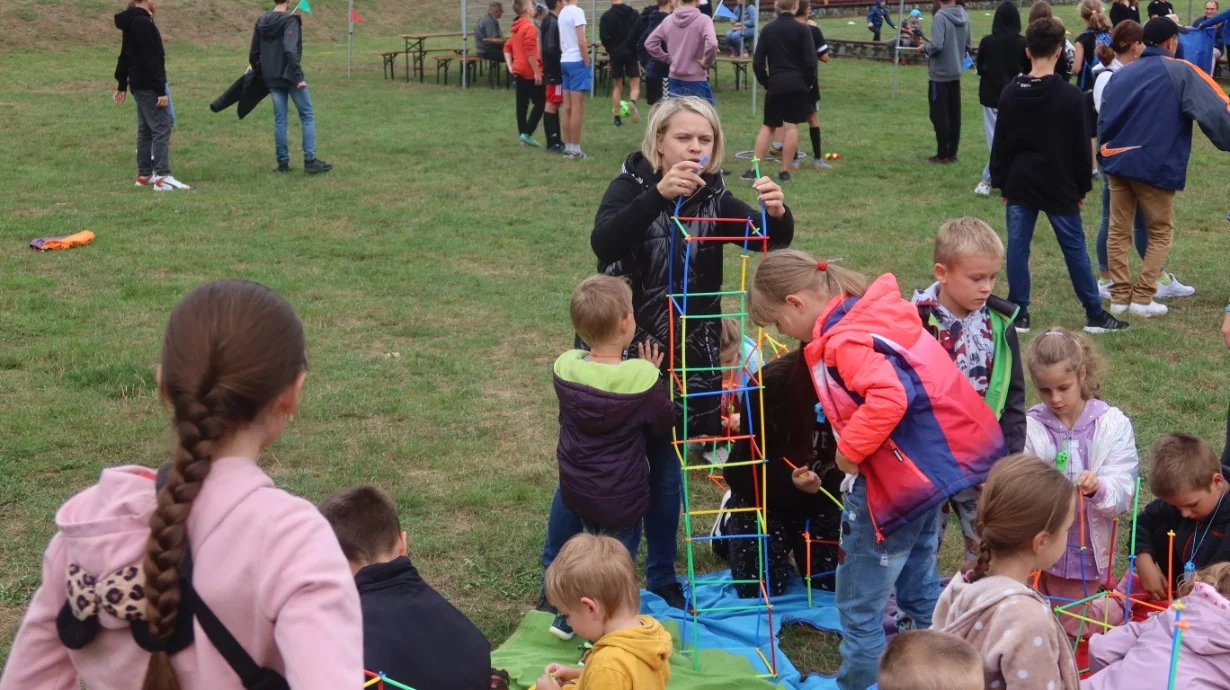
(266, 562)
(1137, 655)
(690, 44)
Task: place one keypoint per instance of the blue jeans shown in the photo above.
(630, 537)
(700, 89)
(303, 104)
(1071, 236)
(867, 574)
(1140, 228)
(661, 523)
(736, 37)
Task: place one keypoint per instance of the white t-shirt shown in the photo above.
(570, 17)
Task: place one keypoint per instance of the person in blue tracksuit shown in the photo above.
(1145, 130)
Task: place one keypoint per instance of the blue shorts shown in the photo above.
(577, 76)
(700, 89)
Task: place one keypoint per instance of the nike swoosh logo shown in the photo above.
(1115, 152)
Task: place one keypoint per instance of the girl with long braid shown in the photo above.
(1024, 514)
(146, 568)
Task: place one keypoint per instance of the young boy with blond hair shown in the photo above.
(930, 660)
(593, 583)
(975, 329)
(608, 407)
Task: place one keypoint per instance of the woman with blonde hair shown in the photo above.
(677, 172)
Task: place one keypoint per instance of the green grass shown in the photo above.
(438, 239)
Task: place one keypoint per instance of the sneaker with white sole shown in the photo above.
(1173, 289)
(820, 164)
(1148, 311)
(636, 114)
(1118, 308)
(1104, 323)
(983, 189)
(167, 183)
(1104, 289)
(560, 628)
(143, 180)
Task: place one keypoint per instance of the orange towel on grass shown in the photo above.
(79, 239)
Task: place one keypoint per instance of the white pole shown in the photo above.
(465, 38)
(350, 40)
(755, 38)
(593, 49)
(896, 51)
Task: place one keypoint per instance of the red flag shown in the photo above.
(354, 16)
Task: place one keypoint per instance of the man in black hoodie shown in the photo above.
(1040, 161)
(275, 55)
(1001, 56)
(410, 633)
(617, 31)
(141, 68)
(656, 73)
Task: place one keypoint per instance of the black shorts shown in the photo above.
(625, 67)
(792, 107)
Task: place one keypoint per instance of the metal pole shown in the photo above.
(593, 49)
(350, 40)
(1189, 12)
(465, 44)
(896, 52)
(755, 38)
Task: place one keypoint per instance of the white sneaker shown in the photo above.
(983, 189)
(168, 183)
(1148, 311)
(1104, 289)
(1174, 289)
(1118, 308)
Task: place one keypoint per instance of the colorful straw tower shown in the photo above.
(746, 232)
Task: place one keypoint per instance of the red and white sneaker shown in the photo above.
(143, 180)
(167, 183)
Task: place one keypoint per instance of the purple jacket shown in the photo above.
(1137, 655)
(691, 41)
(606, 413)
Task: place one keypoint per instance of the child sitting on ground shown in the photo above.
(929, 660)
(1024, 515)
(410, 633)
(975, 329)
(593, 583)
(911, 433)
(607, 407)
(1190, 484)
(1136, 655)
(1093, 445)
(738, 350)
(794, 437)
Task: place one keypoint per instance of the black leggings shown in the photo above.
(785, 539)
(945, 100)
(527, 92)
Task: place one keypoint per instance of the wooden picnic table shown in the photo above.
(740, 67)
(416, 49)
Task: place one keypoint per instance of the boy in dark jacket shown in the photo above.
(550, 50)
(608, 406)
(656, 73)
(617, 31)
(1001, 56)
(276, 54)
(785, 64)
(1040, 163)
(975, 329)
(141, 67)
(876, 16)
(410, 632)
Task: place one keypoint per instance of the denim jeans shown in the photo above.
(630, 537)
(700, 89)
(989, 116)
(153, 135)
(303, 104)
(1140, 229)
(1071, 236)
(735, 38)
(866, 576)
(661, 523)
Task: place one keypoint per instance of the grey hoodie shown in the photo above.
(277, 49)
(950, 43)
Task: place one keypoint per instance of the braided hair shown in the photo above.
(1022, 497)
(230, 349)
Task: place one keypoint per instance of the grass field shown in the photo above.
(438, 240)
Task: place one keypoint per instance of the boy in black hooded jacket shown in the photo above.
(1001, 56)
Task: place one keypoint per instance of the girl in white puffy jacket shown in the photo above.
(1092, 443)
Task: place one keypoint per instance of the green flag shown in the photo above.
(303, 5)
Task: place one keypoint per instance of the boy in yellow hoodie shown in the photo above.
(593, 582)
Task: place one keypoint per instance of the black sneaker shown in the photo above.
(1021, 324)
(618, 122)
(282, 167)
(749, 175)
(544, 605)
(672, 594)
(1104, 323)
(783, 176)
(316, 166)
(557, 149)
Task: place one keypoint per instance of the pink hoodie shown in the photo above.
(690, 44)
(266, 562)
(1137, 655)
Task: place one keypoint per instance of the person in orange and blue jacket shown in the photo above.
(911, 433)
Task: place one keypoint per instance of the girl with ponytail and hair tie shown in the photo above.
(911, 433)
(150, 573)
(1024, 514)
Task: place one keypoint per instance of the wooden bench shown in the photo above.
(470, 63)
(389, 57)
(739, 64)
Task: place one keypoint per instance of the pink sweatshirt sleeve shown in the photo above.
(38, 660)
(711, 44)
(306, 587)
